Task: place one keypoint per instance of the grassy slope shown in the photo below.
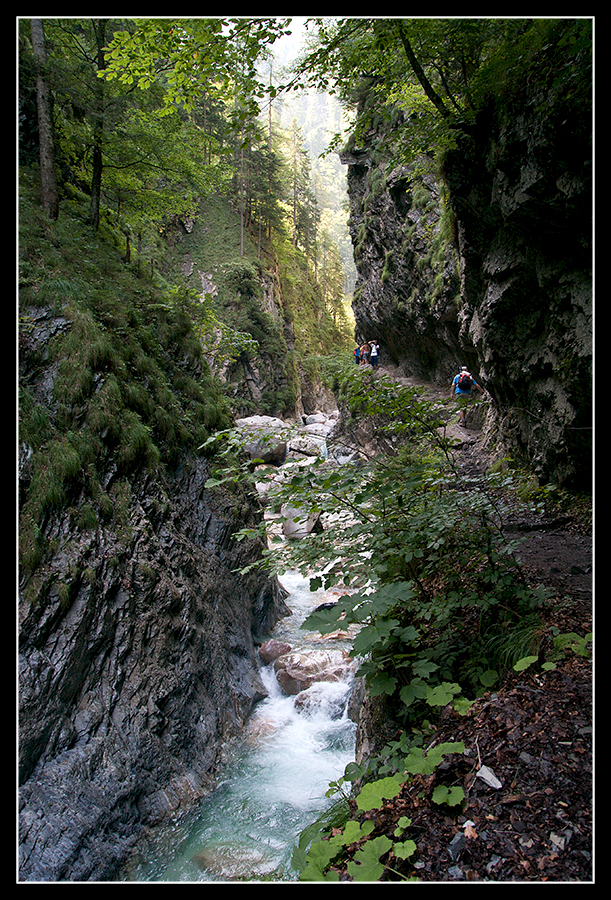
(120, 383)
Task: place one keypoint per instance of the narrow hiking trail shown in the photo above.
(558, 545)
(534, 731)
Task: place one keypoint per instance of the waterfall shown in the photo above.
(274, 782)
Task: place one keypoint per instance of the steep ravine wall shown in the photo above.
(136, 631)
(128, 693)
(249, 293)
(498, 278)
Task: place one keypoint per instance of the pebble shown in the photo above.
(489, 777)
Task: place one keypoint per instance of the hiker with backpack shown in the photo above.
(462, 385)
(374, 354)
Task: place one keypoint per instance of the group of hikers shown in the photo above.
(461, 389)
(367, 354)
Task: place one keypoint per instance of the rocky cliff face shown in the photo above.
(137, 632)
(408, 284)
(521, 193)
(128, 693)
(499, 277)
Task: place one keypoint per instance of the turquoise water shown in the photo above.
(274, 781)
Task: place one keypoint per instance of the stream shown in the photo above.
(274, 780)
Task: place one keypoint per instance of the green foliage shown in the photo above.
(427, 78)
(453, 796)
(218, 53)
(578, 644)
(428, 579)
(130, 390)
(366, 862)
(434, 584)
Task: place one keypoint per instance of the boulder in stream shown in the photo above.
(231, 861)
(272, 649)
(296, 672)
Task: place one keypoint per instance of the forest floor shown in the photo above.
(534, 732)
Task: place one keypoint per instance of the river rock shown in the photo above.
(270, 452)
(272, 649)
(297, 524)
(329, 698)
(307, 444)
(231, 861)
(295, 672)
(319, 429)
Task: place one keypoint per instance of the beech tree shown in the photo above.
(438, 72)
(48, 181)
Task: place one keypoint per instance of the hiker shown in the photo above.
(375, 350)
(365, 351)
(462, 386)
(357, 352)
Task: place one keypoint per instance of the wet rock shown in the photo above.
(230, 861)
(296, 672)
(297, 523)
(323, 697)
(127, 693)
(272, 649)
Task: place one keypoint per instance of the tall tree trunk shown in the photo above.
(48, 181)
(98, 128)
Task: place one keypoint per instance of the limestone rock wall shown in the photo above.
(128, 691)
(489, 265)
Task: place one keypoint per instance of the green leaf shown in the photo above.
(408, 635)
(381, 683)
(424, 667)
(416, 763)
(452, 796)
(524, 663)
(462, 705)
(404, 849)
(374, 793)
(415, 690)
(489, 677)
(319, 857)
(366, 865)
(442, 694)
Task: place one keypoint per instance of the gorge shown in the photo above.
(143, 600)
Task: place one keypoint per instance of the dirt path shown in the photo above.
(557, 548)
(534, 732)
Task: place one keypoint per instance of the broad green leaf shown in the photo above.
(524, 663)
(404, 849)
(408, 635)
(442, 694)
(417, 763)
(489, 677)
(366, 865)
(424, 667)
(319, 857)
(374, 793)
(415, 690)
(452, 796)
(381, 683)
